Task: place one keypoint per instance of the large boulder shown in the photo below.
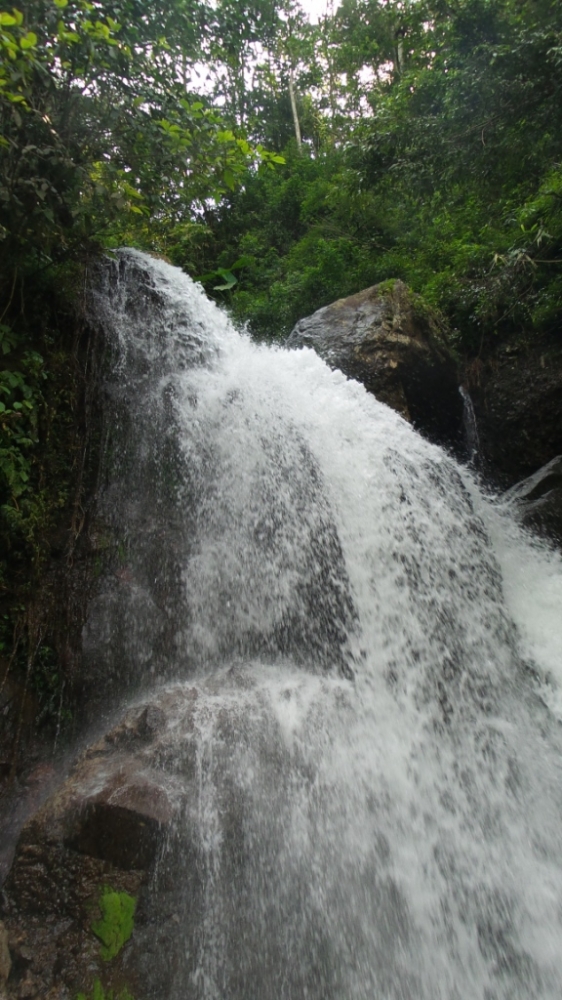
(387, 338)
(184, 812)
(98, 835)
(155, 836)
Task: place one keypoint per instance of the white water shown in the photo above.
(364, 659)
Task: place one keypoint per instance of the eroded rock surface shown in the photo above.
(386, 338)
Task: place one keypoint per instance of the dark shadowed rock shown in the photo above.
(517, 396)
(5, 959)
(538, 499)
(388, 339)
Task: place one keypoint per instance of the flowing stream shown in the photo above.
(360, 657)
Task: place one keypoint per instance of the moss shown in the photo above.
(98, 993)
(117, 922)
(386, 287)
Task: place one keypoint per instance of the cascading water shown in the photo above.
(367, 772)
(470, 429)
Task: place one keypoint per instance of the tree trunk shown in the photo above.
(296, 122)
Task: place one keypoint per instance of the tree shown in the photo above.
(102, 136)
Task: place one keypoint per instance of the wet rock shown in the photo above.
(122, 824)
(151, 721)
(538, 500)
(112, 809)
(517, 397)
(101, 829)
(5, 959)
(28, 988)
(388, 339)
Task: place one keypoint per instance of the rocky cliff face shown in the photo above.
(386, 338)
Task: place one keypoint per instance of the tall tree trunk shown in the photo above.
(296, 122)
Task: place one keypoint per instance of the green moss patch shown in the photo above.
(116, 924)
(98, 993)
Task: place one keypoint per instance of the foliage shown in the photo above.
(39, 391)
(20, 392)
(460, 147)
(435, 157)
(117, 921)
(97, 125)
(98, 993)
(295, 239)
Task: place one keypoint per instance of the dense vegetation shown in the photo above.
(431, 151)
(284, 164)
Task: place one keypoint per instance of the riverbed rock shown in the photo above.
(387, 338)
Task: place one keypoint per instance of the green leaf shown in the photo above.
(230, 280)
(229, 179)
(61, 3)
(29, 41)
(243, 261)
(7, 19)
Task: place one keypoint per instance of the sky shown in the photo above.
(316, 8)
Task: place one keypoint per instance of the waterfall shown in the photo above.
(358, 656)
(470, 428)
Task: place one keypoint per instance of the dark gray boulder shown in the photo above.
(387, 338)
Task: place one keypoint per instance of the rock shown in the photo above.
(123, 822)
(388, 339)
(517, 398)
(5, 959)
(154, 775)
(28, 988)
(101, 829)
(113, 809)
(151, 721)
(538, 500)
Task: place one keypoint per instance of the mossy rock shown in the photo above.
(117, 922)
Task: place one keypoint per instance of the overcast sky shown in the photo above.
(316, 8)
